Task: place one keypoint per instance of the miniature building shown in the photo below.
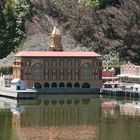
(109, 75)
(5, 80)
(58, 69)
(129, 73)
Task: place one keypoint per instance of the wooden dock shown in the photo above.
(120, 92)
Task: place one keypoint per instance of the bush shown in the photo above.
(6, 70)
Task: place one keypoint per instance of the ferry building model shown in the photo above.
(56, 68)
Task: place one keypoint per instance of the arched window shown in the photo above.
(46, 85)
(69, 85)
(54, 85)
(86, 71)
(61, 85)
(37, 85)
(37, 71)
(85, 85)
(77, 85)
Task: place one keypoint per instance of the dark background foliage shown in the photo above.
(99, 25)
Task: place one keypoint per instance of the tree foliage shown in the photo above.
(6, 70)
(12, 24)
(104, 3)
(111, 25)
(103, 26)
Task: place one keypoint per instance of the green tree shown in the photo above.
(12, 24)
(104, 3)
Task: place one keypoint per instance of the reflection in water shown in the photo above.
(117, 126)
(5, 125)
(70, 118)
(126, 109)
(57, 120)
(58, 133)
(130, 109)
(109, 107)
(109, 104)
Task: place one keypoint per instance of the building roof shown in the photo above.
(55, 54)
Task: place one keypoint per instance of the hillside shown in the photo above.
(109, 27)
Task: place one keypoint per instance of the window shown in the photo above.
(62, 63)
(97, 63)
(76, 63)
(37, 71)
(95, 77)
(54, 77)
(69, 77)
(65, 64)
(100, 63)
(73, 63)
(69, 70)
(46, 77)
(95, 70)
(50, 63)
(47, 70)
(22, 63)
(53, 63)
(46, 64)
(76, 71)
(27, 63)
(69, 63)
(86, 71)
(61, 70)
(62, 77)
(26, 74)
(76, 77)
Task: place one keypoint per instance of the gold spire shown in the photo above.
(56, 31)
(56, 40)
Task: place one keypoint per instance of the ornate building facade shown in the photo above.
(56, 68)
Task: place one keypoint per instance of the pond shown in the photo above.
(70, 117)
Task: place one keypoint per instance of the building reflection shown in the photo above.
(112, 108)
(57, 119)
(130, 109)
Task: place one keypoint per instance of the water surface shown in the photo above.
(70, 117)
